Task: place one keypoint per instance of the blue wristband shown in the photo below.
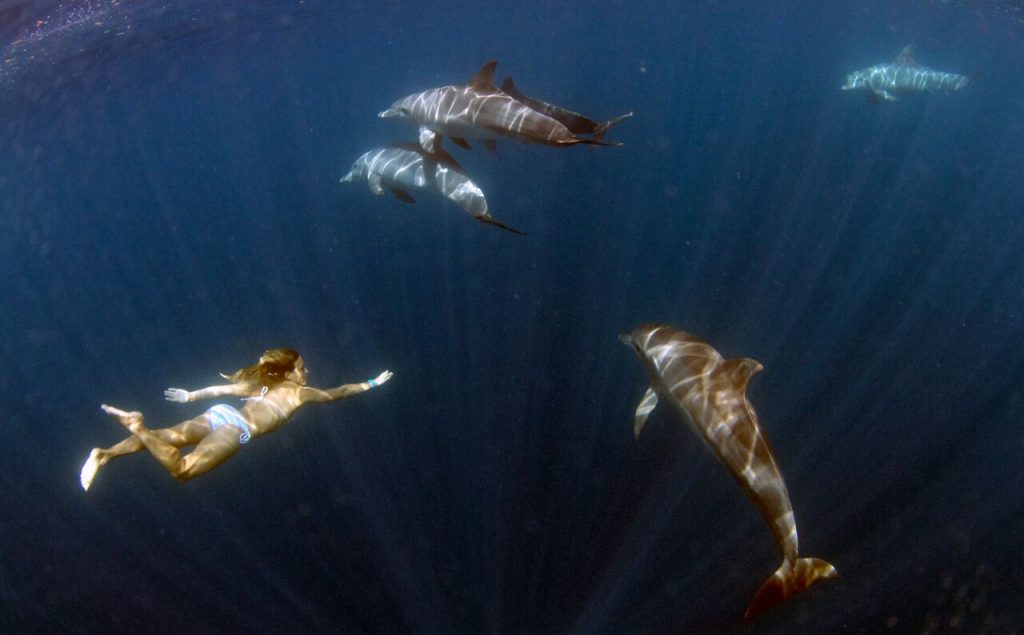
(373, 384)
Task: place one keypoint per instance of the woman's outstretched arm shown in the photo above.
(321, 395)
(181, 395)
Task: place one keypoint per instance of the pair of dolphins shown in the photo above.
(480, 110)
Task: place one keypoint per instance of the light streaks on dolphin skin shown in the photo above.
(708, 393)
(402, 167)
(480, 110)
(884, 82)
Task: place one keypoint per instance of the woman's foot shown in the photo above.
(130, 420)
(92, 465)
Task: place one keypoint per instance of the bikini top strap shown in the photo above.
(263, 393)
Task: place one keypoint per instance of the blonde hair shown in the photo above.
(271, 370)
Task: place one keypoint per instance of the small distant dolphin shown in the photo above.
(709, 393)
(406, 166)
(903, 76)
(480, 110)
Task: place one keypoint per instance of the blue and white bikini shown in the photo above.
(225, 415)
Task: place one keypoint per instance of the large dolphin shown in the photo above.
(903, 76)
(480, 110)
(709, 394)
(406, 166)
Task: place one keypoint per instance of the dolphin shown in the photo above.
(575, 122)
(903, 76)
(406, 166)
(480, 110)
(709, 394)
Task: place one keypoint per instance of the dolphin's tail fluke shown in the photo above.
(786, 582)
(490, 221)
(603, 128)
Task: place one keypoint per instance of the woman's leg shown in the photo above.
(213, 449)
(184, 434)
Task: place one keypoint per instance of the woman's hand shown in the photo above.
(179, 395)
(381, 378)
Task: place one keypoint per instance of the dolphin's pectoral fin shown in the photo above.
(491, 146)
(402, 195)
(459, 141)
(647, 404)
(375, 184)
(428, 139)
(483, 81)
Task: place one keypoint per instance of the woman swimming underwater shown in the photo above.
(273, 389)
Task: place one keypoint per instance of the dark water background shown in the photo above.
(169, 208)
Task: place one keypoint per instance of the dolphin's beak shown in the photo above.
(348, 177)
(626, 339)
(390, 112)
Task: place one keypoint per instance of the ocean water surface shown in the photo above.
(170, 207)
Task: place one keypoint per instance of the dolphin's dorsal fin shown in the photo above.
(375, 182)
(906, 57)
(509, 88)
(647, 404)
(483, 81)
(740, 370)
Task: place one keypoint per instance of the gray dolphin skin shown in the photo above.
(575, 122)
(708, 393)
(402, 167)
(480, 110)
(903, 76)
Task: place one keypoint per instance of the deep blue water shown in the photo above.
(170, 207)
